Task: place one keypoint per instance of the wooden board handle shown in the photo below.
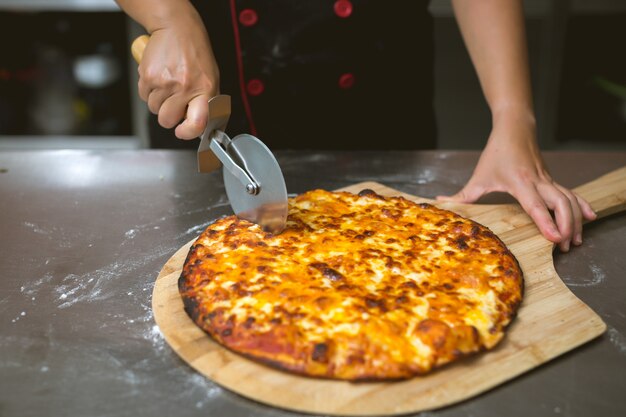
(138, 46)
(607, 194)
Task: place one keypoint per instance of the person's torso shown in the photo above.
(337, 74)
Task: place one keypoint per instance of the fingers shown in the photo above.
(563, 213)
(538, 197)
(143, 88)
(577, 234)
(173, 103)
(587, 211)
(172, 111)
(567, 213)
(196, 119)
(156, 98)
(534, 205)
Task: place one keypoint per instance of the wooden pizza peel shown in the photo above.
(550, 322)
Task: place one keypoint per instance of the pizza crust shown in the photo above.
(357, 287)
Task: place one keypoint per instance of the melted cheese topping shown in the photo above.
(356, 287)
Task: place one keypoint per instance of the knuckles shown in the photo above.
(178, 81)
(167, 121)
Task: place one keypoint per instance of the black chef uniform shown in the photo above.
(323, 74)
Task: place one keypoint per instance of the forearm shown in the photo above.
(159, 14)
(493, 31)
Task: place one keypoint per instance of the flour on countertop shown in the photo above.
(98, 285)
(190, 383)
(31, 289)
(35, 228)
(155, 225)
(597, 277)
(209, 389)
(617, 339)
(195, 229)
(60, 236)
(87, 287)
(126, 279)
(16, 319)
(154, 336)
(425, 177)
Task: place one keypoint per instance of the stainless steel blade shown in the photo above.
(268, 207)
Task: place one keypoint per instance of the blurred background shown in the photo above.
(67, 79)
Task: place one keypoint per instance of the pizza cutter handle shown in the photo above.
(138, 47)
(607, 194)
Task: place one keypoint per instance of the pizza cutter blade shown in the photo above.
(253, 179)
(265, 200)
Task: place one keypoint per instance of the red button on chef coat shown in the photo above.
(346, 80)
(248, 17)
(255, 87)
(343, 8)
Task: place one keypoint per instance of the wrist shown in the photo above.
(513, 112)
(165, 14)
(513, 126)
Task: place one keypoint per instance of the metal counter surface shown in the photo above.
(85, 233)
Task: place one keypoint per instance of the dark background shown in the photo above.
(576, 50)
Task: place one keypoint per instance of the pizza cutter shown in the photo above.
(252, 177)
(254, 182)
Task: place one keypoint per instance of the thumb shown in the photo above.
(468, 194)
(196, 119)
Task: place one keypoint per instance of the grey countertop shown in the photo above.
(85, 233)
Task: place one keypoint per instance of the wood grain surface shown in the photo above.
(550, 321)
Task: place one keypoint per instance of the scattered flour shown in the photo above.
(60, 236)
(16, 319)
(195, 229)
(97, 285)
(131, 233)
(67, 290)
(31, 289)
(155, 336)
(617, 339)
(425, 177)
(35, 228)
(209, 389)
(597, 277)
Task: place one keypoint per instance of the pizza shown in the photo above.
(357, 287)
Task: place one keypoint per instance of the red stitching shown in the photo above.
(244, 96)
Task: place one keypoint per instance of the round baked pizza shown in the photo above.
(357, 287)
